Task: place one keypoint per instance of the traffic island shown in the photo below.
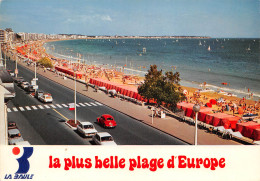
(71, 123)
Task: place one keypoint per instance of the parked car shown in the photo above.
(17, 79)
(30, 88)
(11, 72)
(22, 143)
(103, 138)
(107, 121)
(12, 125)
(24, 85)
(14, 136)
(46, 98)
(86, 128)
(39, 93)
(20, 82)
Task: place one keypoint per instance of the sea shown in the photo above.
(235, 61)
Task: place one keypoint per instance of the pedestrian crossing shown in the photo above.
(51, 106)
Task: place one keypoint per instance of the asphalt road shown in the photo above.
(45, 126)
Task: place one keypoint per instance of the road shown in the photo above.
(44, 124)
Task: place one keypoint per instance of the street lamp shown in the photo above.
(75, 93)
(196, 109)
(5, 58)
(16, 70)
(152, 109)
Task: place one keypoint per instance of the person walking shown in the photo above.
(87, 86)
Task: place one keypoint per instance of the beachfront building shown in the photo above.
(2, 36)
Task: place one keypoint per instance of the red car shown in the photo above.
(107, 121)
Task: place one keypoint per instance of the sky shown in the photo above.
(214, 18)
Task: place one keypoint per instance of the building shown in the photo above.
(2, 36)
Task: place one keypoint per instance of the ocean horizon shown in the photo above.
(234, 61)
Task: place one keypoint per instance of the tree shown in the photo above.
(46, 62)
(162, 88)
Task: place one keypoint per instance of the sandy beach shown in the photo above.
(230, 104)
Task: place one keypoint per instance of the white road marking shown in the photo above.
(87, 104)
(34, 107)
(93, 104)
(99, 103)
(59, 106)
(28, 108)
(21, 108)
(52, 106)
(15, 109)
(9, 110)
(82, 104)
(77, 105)
(48, 107)
(64, 105)
(40, 106)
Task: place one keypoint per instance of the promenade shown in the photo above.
(169, 125)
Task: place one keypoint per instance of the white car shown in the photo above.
(103, 138)
(46, 98)
(86, 128)
(24, 85)
(23, 143)
(14, 136)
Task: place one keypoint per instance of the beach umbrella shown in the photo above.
(209, 104)
(185, 92)
(213, 101)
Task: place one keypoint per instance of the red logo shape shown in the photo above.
(16, 150)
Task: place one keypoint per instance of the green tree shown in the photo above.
(46, 62)
(163, 88)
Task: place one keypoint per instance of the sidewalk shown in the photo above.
(167, 125)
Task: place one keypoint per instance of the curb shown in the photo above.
(70, 126)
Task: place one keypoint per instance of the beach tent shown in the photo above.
(248, 132)
(256, 134)
(230, 122)
(203, 112)
(209, 118)
(216, 121)
(246, 129)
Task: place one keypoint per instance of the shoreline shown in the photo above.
(235, 89)
(114, 75)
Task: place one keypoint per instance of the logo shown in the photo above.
(24, 164)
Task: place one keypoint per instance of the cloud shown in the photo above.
(106, 18)
(88, 18)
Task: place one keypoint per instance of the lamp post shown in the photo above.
(16, 70)
(75, 93)
(152, 109)
(5, 58)
(196, 109)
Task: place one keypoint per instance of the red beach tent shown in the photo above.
(256, 134)
(246, 129)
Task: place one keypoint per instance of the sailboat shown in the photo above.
(209, 48)
(200, 43)
(144, 50)
(248, 49)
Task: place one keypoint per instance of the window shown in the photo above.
(107, 138)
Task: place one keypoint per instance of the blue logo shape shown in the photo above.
(24, 164)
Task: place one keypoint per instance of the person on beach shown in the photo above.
(87, 86)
